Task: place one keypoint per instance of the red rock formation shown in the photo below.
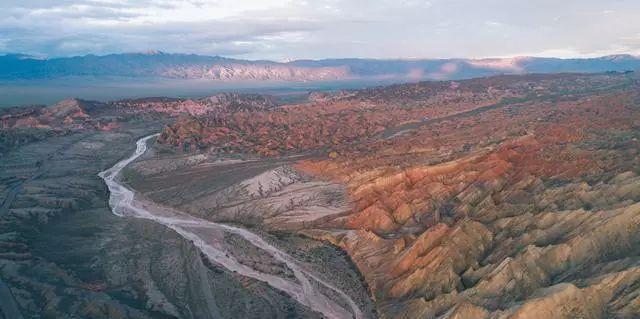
(463, 206)
(504, 197)
(465, 218)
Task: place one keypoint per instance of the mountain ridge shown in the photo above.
(192, 66)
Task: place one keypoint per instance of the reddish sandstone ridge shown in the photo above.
(503, 197)
(64, 115)
(221, 103)
(516, 212)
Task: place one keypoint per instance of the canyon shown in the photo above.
(509, 196)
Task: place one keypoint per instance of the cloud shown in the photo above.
(83, 12)
(105, 26)
(281, 29)
(494, 24)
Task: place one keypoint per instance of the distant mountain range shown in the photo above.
(190, 66)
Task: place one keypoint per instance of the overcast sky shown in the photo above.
(282, 29)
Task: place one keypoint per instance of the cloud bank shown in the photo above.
(285, 29)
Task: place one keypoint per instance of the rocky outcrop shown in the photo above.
(215, 105)
(347, 120)
(70, 114)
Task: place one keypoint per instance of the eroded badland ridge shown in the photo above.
(512, 196)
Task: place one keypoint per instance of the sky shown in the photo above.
(304, 29)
